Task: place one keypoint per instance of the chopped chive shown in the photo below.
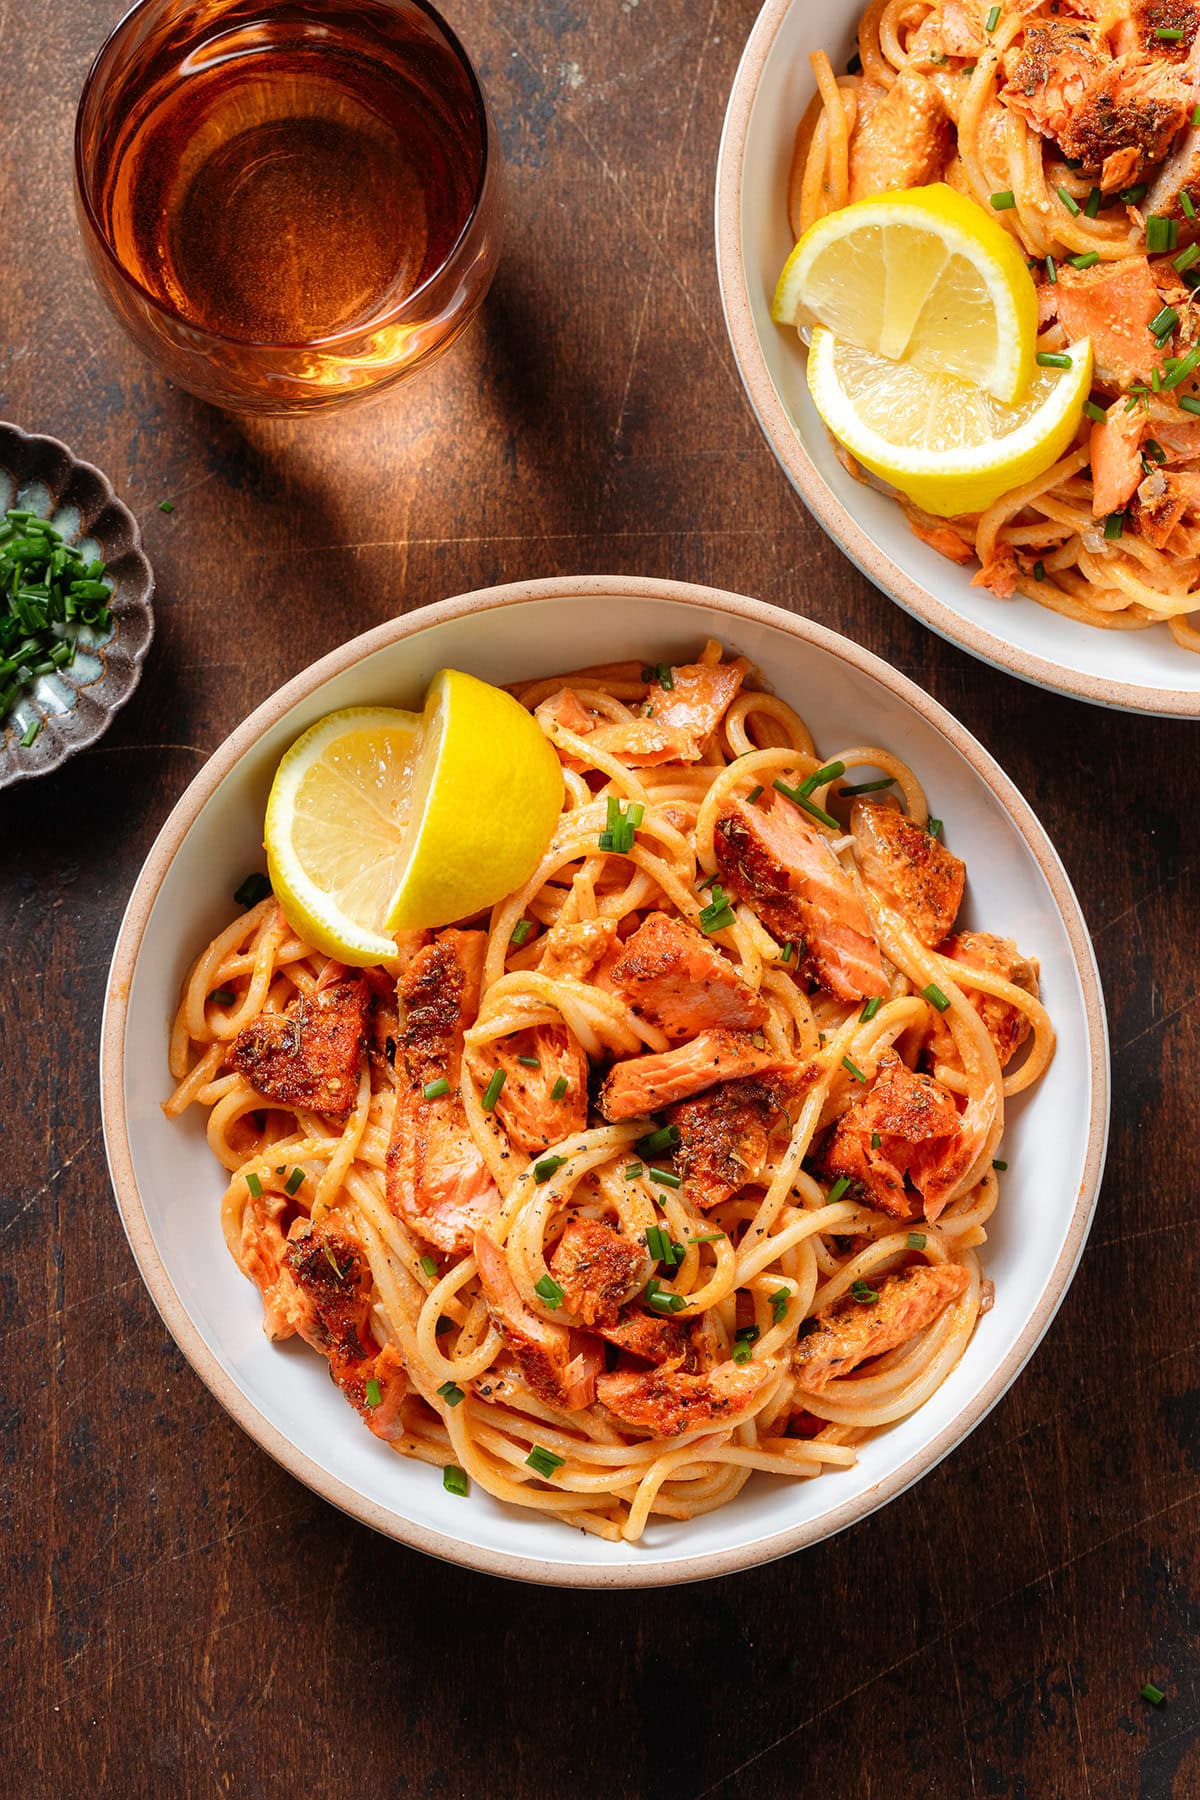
(1051, 272)
(666, 1178)
(521, 931)
(1039, 570)
(1093, 204)
(1087, 260)
(867, 787)
(1053, 359)
(1196, 115)
(1114, 525)
(658, 1243)
(428, 1267)
(871, 1008)
(451, 1393)
(1190, 405)
(821, 777)
(544, 1461)
(1094, 412)
(916, 1240)
(752, 796)
(935, 996)
(708, 1237)
(1163, 323)
(374, 1392)
(1186, 258)
(743, 1350)
(294, 1182)
(631, 1171)
(779, 1301)
(709, 881)
(549, 1291)
(665, 678)
(662, 1299)
(434, 1090)
(876, 1140)
(1182, 367)
(167, 506)
(837, 1190)
(223, 996)
(491, 1092)
(853, 1069)
(1152, 451)
(992, 20)
(667, 1137)
(559, 1088)
(252, 890)
(810, 806)
(529, 1062)
(1161, 234)
(1154, 1695)
(1000, 1165)
(1170, 34)
(866, 1296)
(935, 828)
(787, 953)
(549, 1165)
(1069, 201)
(718, 915)
(455, 1481)
(31, 730)
(255, 1187)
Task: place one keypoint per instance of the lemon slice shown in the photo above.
(947, 445)
(925, 277)
(335, 827)
(487, 792)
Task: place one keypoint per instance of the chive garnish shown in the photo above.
(1186, 259)
(718, 915)
(800, 798)
(662, 1299)
(666, 1178)
(1094, 412)
(1163, 323)
(1087, 260)
(867, 787)
(223, 996)
(543, 1170)
(935, 828)
(787, 953)
(167, 506)
(1189, 404)
(34, 726)
(1114, 525)
(1133, 196)
(373, 1391)
(491, 1092)
(1000, 1165)
(876, 1140)
(1180, 367)
(455, 1481)
(1002, 202)
(1152, 451)
(521, 931)
(1051, 272)
(544, 1461)
(821, 778)
(658, 1243)
(853, 1069)
(294, 1182)
(255, 1187)
(1069, 201)
(451, 1393)
(871, 1008)
(428, 1267)
(253, 889)
(1053, 359)
(752, 796)
(916, 1240)
(743, 1348)
(1170, 34)
(709, 881)
(559, 1088)
(631, 1171)
(935, 996)
(1161, 234)
(837, 1190)
(779, 1304)
(866, 1296)
(667, 1137)
(434, 1090)
(549, 1291)
(993, 19)
(1154, 1695)
(48, 593)
(529, 1062)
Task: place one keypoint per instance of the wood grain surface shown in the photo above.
(181, 1618)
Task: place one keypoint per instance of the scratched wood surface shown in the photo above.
(179, 1616)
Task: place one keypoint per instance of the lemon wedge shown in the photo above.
(925, 277)
(380, 819)
(949, 446)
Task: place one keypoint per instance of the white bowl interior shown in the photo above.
(1149, 661)
(181, 1184)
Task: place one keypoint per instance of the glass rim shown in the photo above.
(333, 339)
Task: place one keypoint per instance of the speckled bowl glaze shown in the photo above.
(75, 706)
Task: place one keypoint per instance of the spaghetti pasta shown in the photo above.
(673, 1290)
(1006, 102)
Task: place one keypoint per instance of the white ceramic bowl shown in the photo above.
(1139, 671)
(169, 1187)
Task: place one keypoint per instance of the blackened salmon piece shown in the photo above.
(667, 1402)
(909, 868)
(725, 1135)
(311, 1054)
(683, 983)
(851, 1331)
(599, 1270)
(904, 1125)
(1007, 1026)
(644, 1084)
(560, 1365)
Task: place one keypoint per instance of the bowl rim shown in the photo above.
(784, 439)
(650, 1572)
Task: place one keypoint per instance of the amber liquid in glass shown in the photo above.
(293, 177)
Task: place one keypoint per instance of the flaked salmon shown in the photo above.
(1162, 500)
(768, 856)
(560, 1365)
(575, 946)
(1007, 1026)
(311, 1054)
(1135, 103)
(648, 1336)
(1113, 304)
(437, 1180)
(903, 1125)
(1116, 452)
(667, 1402)
(726, 1135)
(909, 868)
(682, 982)
(904, 138)
(676, 721)
(850, 1332)
(645, 1084)
(1049, 73)
(599, 1270)
(545, 1095)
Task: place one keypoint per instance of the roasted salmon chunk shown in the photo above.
(908, 868)
(648, 1336)
(1007, 1026)
(904, 1124)
(725, 1135)
(1162, 500)
(598, 1269)
(1113, 305)
(1048, 75)
(539, 1063)
(683, 983)
(850, 1331)
(644, 1084)
(667, 1402)
(1116, 452)
(677, 721)
(769, 857)
(560, 1365)
(905, 138)
(437, 1180)
(575, 946)
(383, 1414)
(311, 1054)
(1136, 103)
(262, 1248)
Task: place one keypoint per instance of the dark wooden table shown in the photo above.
(179, 1616)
